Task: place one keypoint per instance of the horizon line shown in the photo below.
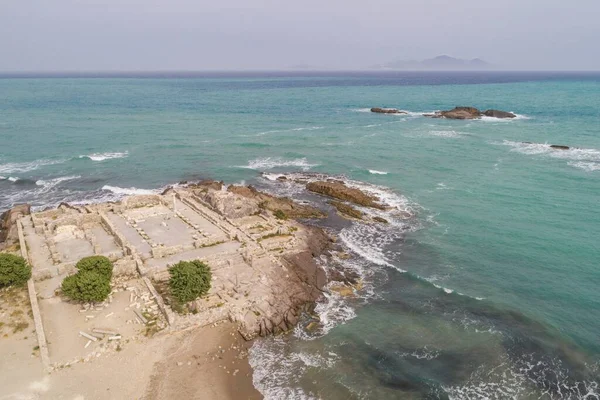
(100, 73)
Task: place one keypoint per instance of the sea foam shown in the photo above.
(27, 166)
(266, 163)
(105, 156)
(128, 191)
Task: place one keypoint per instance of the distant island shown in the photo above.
(443, 62)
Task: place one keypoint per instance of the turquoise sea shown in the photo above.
(491, 291)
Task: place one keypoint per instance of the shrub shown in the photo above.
(280, 214)
(14, 270)
(189, 280)
(86, 286)
(98, 264)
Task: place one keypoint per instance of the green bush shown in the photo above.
(98, 264)
(14, 270)
(280, 214)
(86, 286)
(189, 280)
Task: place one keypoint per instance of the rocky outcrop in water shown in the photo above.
(559, 147)
(9, 235)
(498, 114)
(346, 210)
(470, 113)
(265, 201)
(339, 190)
(380, 110)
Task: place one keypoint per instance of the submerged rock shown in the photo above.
(340, 191)
(559, 147)
(380, 110)
(346, 210)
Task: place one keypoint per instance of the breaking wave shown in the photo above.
(375, 172)
(129, 191)
(586, 159)
(10, 168)
(105, 156)
(267, 163)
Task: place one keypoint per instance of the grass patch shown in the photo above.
(212, 244)
(272, 235)
(19, 326)
(280, 215)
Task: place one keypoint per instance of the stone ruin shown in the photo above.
(263, 267)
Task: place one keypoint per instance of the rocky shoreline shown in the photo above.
(262, 250)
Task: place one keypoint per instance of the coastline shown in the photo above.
(204, 363)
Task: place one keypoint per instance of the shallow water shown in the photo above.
(499, 297)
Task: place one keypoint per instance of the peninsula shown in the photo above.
(264, 280)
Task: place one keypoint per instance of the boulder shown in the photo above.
(462, 113)
(9, 235)
(498, 114)
(346, 210)
(387, 111)
(469, 113)
(339, 190)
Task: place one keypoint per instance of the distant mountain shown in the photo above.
(438, 63)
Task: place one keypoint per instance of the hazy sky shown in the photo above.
(133, 35)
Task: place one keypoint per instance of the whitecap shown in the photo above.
(128, 191)
(304, 128)
(27, 166)
(375, 172)
(586, 159)
(105, 156)
(518, 117)
(274, 162)
(446, 134)
(586, 166)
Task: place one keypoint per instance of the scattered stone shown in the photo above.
(87, 336)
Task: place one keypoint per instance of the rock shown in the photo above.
(387, 111)
(339, 190)
(9, 235)
(498, 114)
(382, 220)
(312, 326)
(265, 201)
(208, 184)
(462, 113)
(346, 210)
(469, 113)
(559, 147)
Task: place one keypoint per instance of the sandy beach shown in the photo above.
(202, 363)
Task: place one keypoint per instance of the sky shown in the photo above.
(197, 35)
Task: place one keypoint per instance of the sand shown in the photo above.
(207, 363)
(199, 363)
